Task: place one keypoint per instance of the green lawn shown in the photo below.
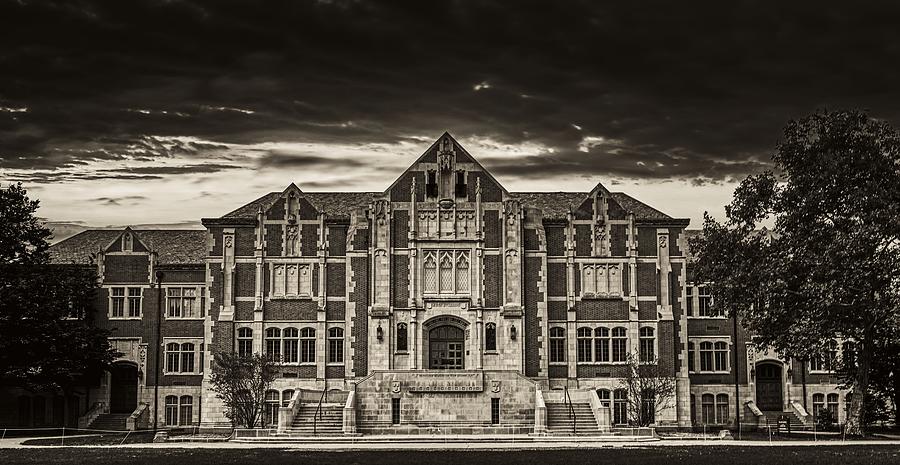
(848, 455)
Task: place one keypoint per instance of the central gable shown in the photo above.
(445, 172)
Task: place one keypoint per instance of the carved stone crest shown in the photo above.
(395, 387)
(663, 241)
(445, 160)
(229, 241)
(495, 385)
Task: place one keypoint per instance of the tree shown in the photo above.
(649, 389)
(47, 340)
(830, 267)
(241, 382)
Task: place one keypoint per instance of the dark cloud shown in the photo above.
(162, 170)
(129, 199)
(701, 88)
(277, 159)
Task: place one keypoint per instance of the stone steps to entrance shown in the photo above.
(561, 423)
(329, 421)
(110, 422)
(795, 421)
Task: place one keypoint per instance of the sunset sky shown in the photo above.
(115, 112)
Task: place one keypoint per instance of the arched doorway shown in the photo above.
(445, 348)
(769, 395)
(123, 388)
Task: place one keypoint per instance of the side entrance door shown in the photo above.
(768, 387)
(123, 388)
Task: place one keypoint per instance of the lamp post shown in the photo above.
(159, 290)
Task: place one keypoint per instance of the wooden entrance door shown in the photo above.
(123, 388)
(445, 348)
(769, 395)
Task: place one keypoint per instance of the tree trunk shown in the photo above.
(855, 420)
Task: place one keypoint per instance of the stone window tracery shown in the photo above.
(601, 280)
(447, 272)
(292, 280)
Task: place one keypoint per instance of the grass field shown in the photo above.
(731, 455)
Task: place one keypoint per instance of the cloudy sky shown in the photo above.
(131, 112)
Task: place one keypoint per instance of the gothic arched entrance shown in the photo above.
(769, 384)
(446, 348)
(123, 387)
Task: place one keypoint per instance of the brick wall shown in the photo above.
(334, 310)
(337, 241)
(360, 331)
(646, 310)
(492, 230)
(647, 242)
(556, 279)
(601, 309)
(400, 280)
(309, 240)
(618, 238)
(290, 310)
(126, 269)
(556, 310)
(646, 279)
(244, 280)
(583, 240)
(306, 210)
(492, 281)
(532, 322)
(532, 242)
(336, 281)
(244, 241)
(400, 228)
(276, 211)
(556, 240)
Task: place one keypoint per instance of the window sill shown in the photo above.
(822, 372)
(185, 318)
(601, 297)
(491, 352)
(291, 297)
(120, 318)
(401, 352)
(602, 363)
(559, 364)
(727, 372)
(698, 317)
(169, 373)
(334, 364)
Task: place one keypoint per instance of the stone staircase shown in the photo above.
(559, 421)
(330, 423)
(110, 422)
(795, 421)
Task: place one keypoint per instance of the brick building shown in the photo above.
(444, 303)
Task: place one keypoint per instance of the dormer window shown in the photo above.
(431, 186)
(461, 191)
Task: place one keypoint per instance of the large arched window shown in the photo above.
(335, 345)
(833, 406)
(601, 345)
(721, 356)
(722, 409)
(245, 342)
(620, 407)
(557, 345)
(706, 356)
(490, 337)
(818, 402)
(186, 410)
(584, 344)
(619, 345)
(691, 354)
(173, 357)
(171, 410)
(273, 401)
(308, 345)
(402, 337)
(605, 397)
(647, 345)
(273, 344)
(290, 345)
(286, 397)
(708, 409)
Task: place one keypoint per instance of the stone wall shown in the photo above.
(445, 412)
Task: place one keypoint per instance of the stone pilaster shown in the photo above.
(512, 258)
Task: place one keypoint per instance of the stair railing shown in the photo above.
(319, 411)
(571, 409)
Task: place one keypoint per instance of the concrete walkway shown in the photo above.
(438, 445)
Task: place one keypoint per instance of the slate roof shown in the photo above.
(334, 204)
(554, 205)
(174, 246)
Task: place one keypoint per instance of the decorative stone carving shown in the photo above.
(229, 241)
(395, 387)
(495, 385)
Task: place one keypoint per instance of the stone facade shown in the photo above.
(442, 274)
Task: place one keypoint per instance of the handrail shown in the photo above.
(318, 413)
(568, 402)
